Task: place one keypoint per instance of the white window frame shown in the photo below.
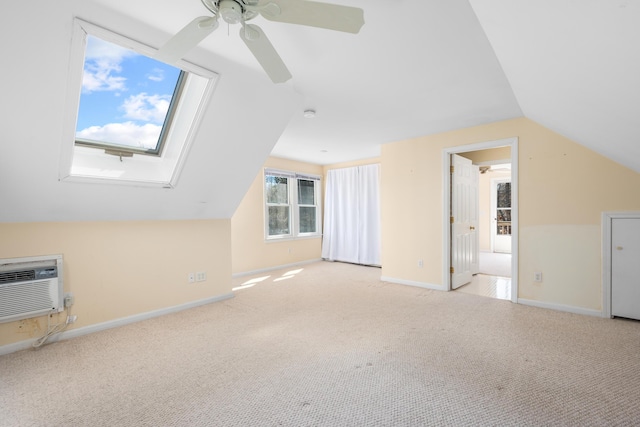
(294, 205)
(85, 164)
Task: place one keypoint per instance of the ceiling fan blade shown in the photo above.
(263, 50)
(186, 39)
(314, 14)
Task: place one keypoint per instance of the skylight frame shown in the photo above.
(79, 163)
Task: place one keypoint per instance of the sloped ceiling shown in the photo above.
(232, 143)
(417, 67)
(574, 67)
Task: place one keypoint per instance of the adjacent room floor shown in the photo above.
(494, 279)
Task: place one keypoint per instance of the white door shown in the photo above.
(625, 268)
(464, 221)
(501, 211)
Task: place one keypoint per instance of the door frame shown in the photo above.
(607, 223)
(446, 206)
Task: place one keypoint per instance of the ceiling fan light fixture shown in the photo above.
(231, 11)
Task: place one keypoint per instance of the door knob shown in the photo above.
(472, 228)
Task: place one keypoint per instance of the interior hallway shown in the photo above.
(494, 279)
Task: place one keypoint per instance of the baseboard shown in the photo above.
(85, 330)
(277, 267)
(560, 307)
(412, 283)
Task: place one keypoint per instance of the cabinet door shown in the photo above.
(625, 267)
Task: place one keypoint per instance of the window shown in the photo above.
(503, 211)
(307, 205)
(291, 205)
(129, 119)
(127, 101)
(278, 207)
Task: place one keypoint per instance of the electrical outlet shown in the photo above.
(420, 263)
(201, 276)
(192, 277)
(71, 319)
(68, 299)
(537, 276)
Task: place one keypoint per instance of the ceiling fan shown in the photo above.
(503, 167)
(301, 12)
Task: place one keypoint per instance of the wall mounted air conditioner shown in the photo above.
(30, 287)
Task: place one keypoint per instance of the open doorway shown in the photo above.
(495, 229)
(496, 247)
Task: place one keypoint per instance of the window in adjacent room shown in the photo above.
(291, 205)
(503, 211)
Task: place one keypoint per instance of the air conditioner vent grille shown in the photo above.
(25, 298)
(17, 276)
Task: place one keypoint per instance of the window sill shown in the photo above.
(291, 238)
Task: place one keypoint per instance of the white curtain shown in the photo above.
(352, 215)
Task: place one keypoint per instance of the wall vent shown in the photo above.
(30, 287)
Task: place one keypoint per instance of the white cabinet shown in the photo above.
(625, 266)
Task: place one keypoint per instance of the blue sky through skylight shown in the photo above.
(125, 96)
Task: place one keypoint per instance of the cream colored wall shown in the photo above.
(118, 269)
(563, 188)
(250, 251)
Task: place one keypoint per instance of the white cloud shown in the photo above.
(157, 75)
(102, 61)
(99, 78)
(127, 133)
(148, 108)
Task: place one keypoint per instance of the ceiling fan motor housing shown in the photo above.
(231, 11)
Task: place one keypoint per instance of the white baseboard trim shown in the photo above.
(277, 267)
(412, 283)
(85, 330)
(560, 307)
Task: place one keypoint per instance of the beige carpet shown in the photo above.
(334, 346)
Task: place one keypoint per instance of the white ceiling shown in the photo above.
(417, 67)
(420, 67)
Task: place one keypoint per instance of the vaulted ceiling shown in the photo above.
(417, 67)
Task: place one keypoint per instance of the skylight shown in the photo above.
(122, 103)
(126, 99)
